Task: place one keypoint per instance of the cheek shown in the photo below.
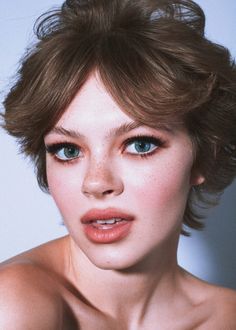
(160, 196)
(63, 187)
(160, 184)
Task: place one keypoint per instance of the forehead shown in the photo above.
(93, 106)
(94, 114)
(92, 103)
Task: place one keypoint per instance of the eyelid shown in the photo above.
(158, 141)
(54, 148)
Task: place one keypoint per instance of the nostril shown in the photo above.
(107, 192)
(101, 186)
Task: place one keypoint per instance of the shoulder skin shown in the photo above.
(224, 310)
(28, 299)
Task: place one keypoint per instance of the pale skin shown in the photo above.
(134, 283)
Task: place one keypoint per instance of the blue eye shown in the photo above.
(142, 145)
(63, 151)
(68, 153)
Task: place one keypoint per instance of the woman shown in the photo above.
(129, 115)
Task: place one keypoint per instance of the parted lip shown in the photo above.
(105, 214)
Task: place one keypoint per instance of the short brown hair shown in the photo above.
(154, 60)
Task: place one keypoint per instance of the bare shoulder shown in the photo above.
(29, 298)
(224, 302)
(211, 306)
(220, 308)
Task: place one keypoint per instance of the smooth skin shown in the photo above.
(96, 159)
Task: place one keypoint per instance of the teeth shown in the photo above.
(108, 221)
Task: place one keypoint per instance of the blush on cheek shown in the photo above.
(163, 193)
(163, 186)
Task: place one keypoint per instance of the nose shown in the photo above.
(102, 180)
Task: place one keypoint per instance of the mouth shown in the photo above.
(106, 226)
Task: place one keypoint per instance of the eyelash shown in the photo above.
(158, 142)
(54, 148)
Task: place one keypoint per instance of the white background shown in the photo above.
(29, 217)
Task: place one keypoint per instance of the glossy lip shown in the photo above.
(105, 214)
(106, 234)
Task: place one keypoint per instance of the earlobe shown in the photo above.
(196, 179)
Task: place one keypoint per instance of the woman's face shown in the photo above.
(101, 165)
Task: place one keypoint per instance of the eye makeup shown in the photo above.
(145, 145)
(64, 152)
(135, 146)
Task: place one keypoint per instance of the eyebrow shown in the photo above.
(114, 132)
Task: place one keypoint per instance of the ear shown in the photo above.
(196, 178)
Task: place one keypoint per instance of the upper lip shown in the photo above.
(105, 214)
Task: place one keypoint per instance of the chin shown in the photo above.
(114, 258)
(124, 260)
(112, 262)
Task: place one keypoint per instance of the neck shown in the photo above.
(151, 282)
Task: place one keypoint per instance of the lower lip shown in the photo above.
(111, 234)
